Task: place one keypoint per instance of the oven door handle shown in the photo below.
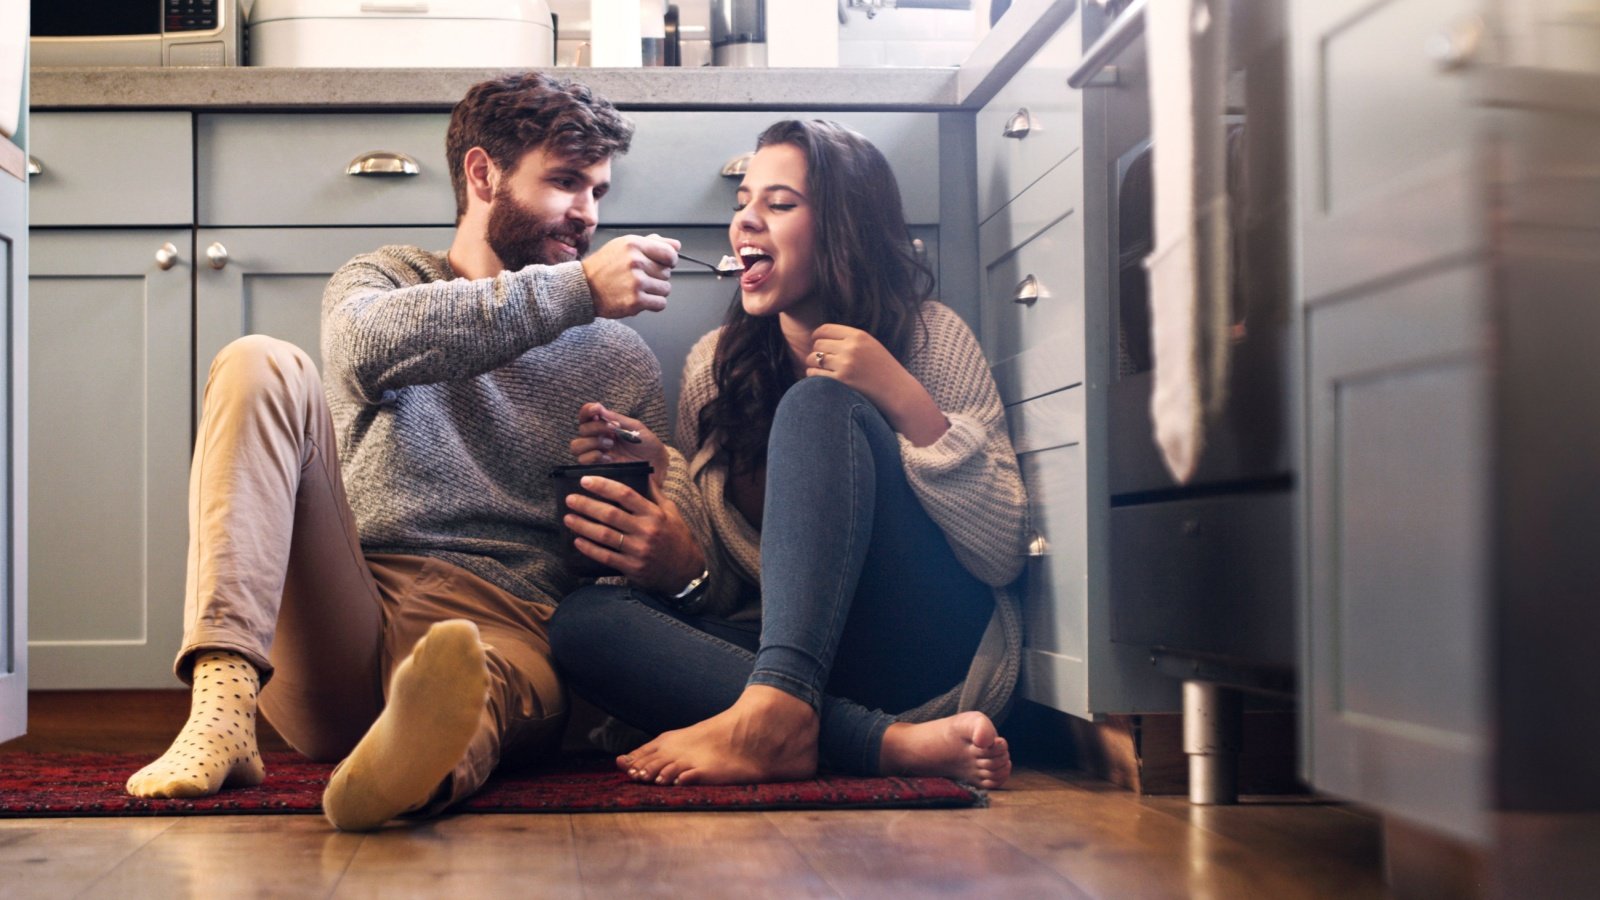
(1122, 32)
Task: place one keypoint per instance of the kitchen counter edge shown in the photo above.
(439, 89)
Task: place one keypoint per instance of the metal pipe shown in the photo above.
(1122, 32)
(1213, 719)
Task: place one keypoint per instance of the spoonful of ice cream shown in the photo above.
(725, 266)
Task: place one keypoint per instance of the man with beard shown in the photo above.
(401, 627)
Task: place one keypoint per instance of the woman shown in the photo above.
(857, 500)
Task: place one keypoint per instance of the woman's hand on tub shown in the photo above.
(644, 538)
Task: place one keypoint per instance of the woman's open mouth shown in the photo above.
(757, 266)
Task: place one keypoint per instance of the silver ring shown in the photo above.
(620, 538)
(819, 355)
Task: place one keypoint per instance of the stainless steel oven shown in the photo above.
(1201, 572)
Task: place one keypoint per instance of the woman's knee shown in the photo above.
(818, 405)
(579, 626)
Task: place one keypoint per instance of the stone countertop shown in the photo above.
(439, 89)
(1025, 26)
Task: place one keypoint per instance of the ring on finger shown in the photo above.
(819, 356)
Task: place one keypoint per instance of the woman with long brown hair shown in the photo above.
(860, 510)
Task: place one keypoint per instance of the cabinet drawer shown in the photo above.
(1007, 165)
(1208, 575)
(1056, 605)
(290, 169)
(1036, 347)
(673, 171)
(111, 168)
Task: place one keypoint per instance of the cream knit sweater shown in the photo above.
(967, 480)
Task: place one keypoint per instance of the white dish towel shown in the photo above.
(1190, 272)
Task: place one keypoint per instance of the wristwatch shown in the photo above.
(693, 588)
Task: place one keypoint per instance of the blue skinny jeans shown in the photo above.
(866, 611)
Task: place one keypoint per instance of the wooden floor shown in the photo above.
(1050, 834)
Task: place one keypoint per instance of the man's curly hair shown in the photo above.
(513, 114)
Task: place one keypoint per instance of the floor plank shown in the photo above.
(233, 856)
(704, 854)
(467, 856)
(49, 858)
(1111, 844)
(918, 852)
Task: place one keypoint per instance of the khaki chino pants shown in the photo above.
(276, 574)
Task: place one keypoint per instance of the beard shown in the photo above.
(517, 235)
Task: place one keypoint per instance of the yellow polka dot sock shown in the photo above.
(436, 699)
(217, 746)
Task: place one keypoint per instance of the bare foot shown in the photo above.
(767, 735)
(964, 746)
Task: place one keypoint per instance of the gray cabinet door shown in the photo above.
(1385, 157)
(13, 459)
(270, 281)
(1398, 408)
(109, 378)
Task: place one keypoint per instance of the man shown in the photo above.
(401, 627)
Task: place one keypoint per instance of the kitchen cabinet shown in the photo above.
(13, 456)
(270, 281)
(1448, 256)
(109, 339)
(259, 209)
(1051, 364)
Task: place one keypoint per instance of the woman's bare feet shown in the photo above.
(766, 735)
(964, 746)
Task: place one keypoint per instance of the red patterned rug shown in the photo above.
(59, 784)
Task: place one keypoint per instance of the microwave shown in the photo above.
(137, 33)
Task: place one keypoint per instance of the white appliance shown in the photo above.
(401, 33)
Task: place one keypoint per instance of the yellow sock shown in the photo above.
(217, 746)
(436, 699)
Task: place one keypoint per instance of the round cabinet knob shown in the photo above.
(217, 254)
(166, 256)
(1457, 46)
(1038, 546)
(380, 163)
(1018, 126)
(34, 166)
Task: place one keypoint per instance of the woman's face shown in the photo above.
(771, 233)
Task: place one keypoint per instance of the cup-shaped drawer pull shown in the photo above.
(1028, 291)
(34, 166)
(1038, 546)
(217, 254)
(166, 256)
(737, 166)
(1018, 126)
(382, 162)
(1457, 46)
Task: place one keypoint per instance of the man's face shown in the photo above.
(546, 209)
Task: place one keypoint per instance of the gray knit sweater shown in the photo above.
(967, 480)
(453, 399)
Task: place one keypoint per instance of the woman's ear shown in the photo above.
(482, 174)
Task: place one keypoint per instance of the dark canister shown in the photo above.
(635, 475)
